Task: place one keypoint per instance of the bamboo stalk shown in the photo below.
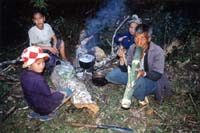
(9, 112)
(132, 76)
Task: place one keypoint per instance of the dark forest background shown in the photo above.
(15, 15)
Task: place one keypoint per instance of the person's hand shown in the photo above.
(121, 38)
(67, 92)
(53, 50)
(121, 52)
(140, 73)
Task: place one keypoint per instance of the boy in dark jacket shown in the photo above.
(36, 91)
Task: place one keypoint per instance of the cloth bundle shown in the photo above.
(63, 76)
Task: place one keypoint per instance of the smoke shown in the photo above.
(106, 17)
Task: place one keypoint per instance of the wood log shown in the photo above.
(9, 112)
(10, 62)
(132, 74)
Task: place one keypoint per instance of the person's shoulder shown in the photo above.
(32, 29)
(26, 76)
(131, 48)
(47, 25)
(127, 33)
(156, 47)
(31, 78)
(30, 75)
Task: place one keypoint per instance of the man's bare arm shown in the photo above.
(53, 50)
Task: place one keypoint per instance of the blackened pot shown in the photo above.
(86, 61)
(99, 79)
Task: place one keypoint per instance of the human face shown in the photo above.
(39, 19)
(37, 66)
(132, 28)
(142, 40)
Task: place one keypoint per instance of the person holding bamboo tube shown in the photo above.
(151, 78)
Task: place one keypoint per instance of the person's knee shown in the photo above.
(109, 76)
(139, 94)
(139, 89)
(115, 76)
(141, 80)
(140, 83)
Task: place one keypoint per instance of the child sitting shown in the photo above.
(42, 34)
(126, 39)
(36, 91)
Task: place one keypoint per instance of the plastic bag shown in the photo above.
(63, 76)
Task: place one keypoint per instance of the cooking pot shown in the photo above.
(86, 61)
(99, 79)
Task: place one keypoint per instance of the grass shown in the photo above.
(176, 114)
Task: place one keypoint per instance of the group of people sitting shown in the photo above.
(43, 101)
(44, 49)
(151, 78)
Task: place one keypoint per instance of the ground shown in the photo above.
(178, 113)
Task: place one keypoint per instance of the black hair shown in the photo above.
(142, 28)
(38, 10)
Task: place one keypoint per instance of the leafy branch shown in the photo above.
(39, 3)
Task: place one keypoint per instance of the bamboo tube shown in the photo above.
(132, 74)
